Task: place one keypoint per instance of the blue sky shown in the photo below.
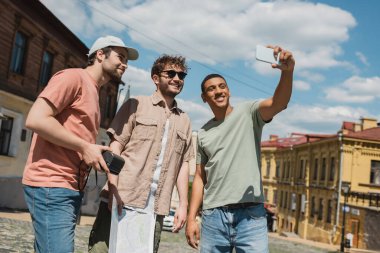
(335, 44)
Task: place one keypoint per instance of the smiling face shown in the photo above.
(115, 64)
(169, 86)
(216, 94)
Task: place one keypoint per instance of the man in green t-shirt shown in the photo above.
(227, 177)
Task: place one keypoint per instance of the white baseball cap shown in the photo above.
(112, 41)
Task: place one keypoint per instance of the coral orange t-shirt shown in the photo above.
(75, 95)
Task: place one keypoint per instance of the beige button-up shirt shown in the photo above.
(139, 126)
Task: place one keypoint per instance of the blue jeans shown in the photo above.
(54, 213)
(244, 229)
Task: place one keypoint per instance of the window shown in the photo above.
(323, 170)
(266, 194)
(267, 172)
(277, 169)
(315, 175)
(312, 207)
(332, 169)
(46, 67)
(293, 202)
(301, 170)
(10, 132)
(281, 199)
(320, 209)
(375, 172)
(5, 135)
(18, 53)
(288, 171)
(329, 211)
(274, 197)
(286, 200)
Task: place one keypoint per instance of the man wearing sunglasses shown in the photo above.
(227, 177)
(65, 120)
(153, 136)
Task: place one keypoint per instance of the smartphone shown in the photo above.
(266, 54)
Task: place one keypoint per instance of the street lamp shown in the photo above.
(346, 190)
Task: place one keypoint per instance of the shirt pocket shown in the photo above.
(180, 142)
(145, 129)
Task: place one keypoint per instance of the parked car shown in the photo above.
(169, 221)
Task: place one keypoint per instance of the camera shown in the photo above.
(114, 162)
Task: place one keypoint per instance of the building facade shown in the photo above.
(303, 176)
(35, 45)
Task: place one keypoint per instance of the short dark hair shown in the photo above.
(91, 57)
(208, 77)
(163, 60)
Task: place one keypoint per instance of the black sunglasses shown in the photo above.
(172, 73)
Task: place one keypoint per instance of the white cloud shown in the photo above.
(313, 119)
(355, 90)
(362, 58)
(72, 14)
(199, 113)
(220, 31)
(311, 76)
(301, 85)
(140, 81)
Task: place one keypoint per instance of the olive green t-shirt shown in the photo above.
(230, 151)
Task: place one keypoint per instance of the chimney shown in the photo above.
(273, 137)
(367, 123)
(358, 127)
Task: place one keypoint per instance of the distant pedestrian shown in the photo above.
(65, 119)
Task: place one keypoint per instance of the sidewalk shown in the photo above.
(15, 227)
(325, 246)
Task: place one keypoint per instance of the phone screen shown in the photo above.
(266, 54)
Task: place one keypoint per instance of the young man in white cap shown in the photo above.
(65, 119)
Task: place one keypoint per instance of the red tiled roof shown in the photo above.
(368, 134)
(294, 139)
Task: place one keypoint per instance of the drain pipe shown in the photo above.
(340, 138)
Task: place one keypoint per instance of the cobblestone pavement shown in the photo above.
(17, 236)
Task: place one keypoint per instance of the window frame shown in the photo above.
(17, 127)
(18, 56)
(323, 169)
(332, 168)
(46, 68)
(374, 177)
(5, 132)
(315, 171)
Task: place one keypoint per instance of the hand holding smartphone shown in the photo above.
(266, 54)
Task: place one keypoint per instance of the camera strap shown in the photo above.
(87, 175)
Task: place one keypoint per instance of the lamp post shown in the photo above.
(346, 189)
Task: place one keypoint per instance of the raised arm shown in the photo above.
(192, 228)
(41, 120)
(270, 107)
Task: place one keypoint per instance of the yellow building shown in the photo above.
(304, 174)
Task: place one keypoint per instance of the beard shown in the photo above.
(114, 75)
(170, 93)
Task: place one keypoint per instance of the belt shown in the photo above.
(241, 205)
